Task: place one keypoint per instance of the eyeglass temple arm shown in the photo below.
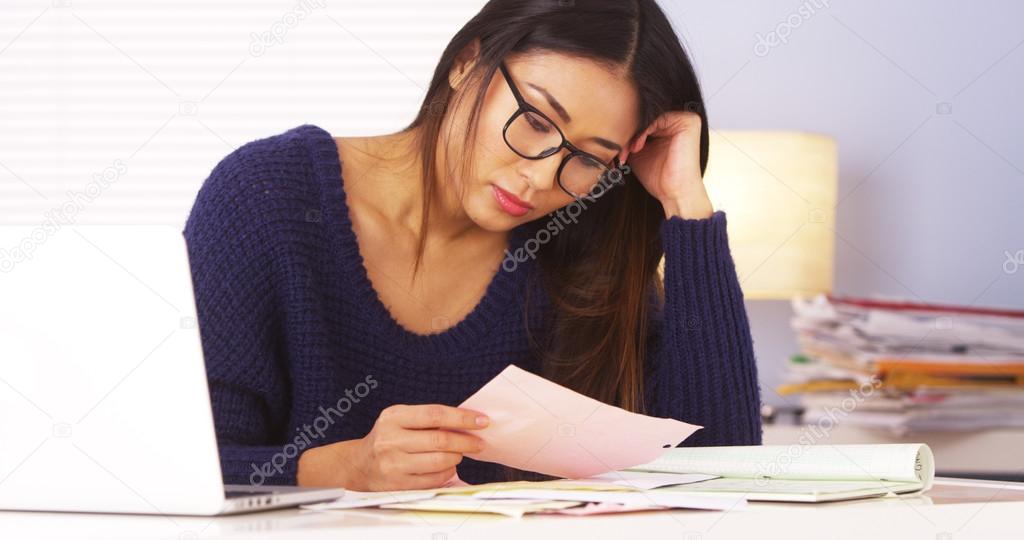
(515, 90)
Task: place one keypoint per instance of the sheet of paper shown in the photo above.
(660, 498)
(513, 508)
(796, 487)
(538, 425)
(543, 484)
(592, 509)
(640, 480)
(360, 499)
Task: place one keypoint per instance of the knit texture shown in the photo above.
(300, 351)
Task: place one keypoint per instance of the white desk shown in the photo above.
(952, 510)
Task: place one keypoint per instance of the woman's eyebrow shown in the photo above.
(553, 102)
(607, 144)
(568, 119)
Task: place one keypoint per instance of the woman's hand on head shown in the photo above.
(409, 447)
(665, 157)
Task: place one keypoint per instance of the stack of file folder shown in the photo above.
(907, 367)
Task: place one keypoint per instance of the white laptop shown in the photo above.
(104, 404)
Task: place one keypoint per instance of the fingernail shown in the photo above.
(482, 421)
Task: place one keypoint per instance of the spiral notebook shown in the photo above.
(801, 473)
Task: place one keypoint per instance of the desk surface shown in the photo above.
(953, 509)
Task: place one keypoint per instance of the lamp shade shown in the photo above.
(778, 189)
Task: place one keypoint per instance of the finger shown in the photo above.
(673, 122)
(440, 440)
(428, 462)
(640, 143)
(435, 415)
(649, 129)
(634, 143)
(661, 126)
(428, 480)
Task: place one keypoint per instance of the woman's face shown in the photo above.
(595, 109)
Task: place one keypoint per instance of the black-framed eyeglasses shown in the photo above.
(532, 135)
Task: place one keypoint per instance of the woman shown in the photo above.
(352, 291)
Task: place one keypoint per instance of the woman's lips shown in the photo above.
(509, 203)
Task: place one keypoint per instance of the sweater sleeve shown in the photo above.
(232, 273)
(701, 366)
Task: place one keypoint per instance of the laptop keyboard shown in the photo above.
(234, 494)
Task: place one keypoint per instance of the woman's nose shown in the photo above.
(541, 173)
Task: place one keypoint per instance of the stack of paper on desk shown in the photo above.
(612, 460)
(621, 491)
(911, 367)
(711, 478)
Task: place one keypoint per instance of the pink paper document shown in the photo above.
(537, 425)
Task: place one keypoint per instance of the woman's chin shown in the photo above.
(497, 222)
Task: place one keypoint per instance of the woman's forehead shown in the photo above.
(596, 100)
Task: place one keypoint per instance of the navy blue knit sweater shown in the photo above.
(300, 351)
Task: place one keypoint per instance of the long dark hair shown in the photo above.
(600, 273)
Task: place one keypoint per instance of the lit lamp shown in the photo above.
(778, 189)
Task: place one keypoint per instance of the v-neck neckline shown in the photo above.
(499, 296)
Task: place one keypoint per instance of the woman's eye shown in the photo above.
(537, 124)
